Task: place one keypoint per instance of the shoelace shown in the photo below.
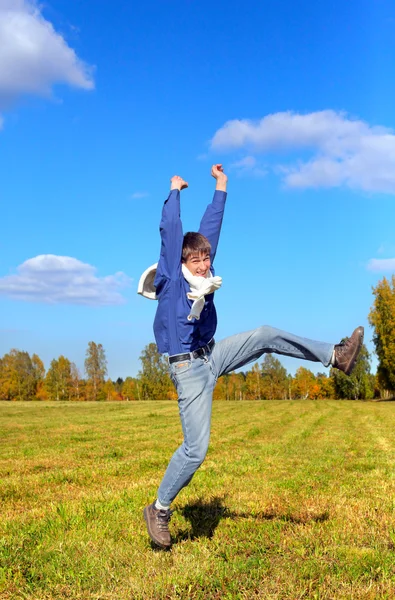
(163, 519)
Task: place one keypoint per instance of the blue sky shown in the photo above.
(101, 103)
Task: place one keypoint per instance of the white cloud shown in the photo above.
(33, 56)
(138, 195)
(344, 151)
(247, 166)
(62, 280)
(381, 264)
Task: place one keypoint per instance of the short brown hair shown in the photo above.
(194, 243)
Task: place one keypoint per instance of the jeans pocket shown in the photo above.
(179, 368)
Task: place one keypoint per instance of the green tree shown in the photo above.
(96, 370)
(382, 319)
(155, 383)
(359, 385)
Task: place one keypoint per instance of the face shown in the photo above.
(198, 264)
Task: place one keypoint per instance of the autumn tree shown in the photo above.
(235, 386)
(130, 389)
(303, 385)
(110, 392)
(358, 385)
(39, 375)
(382, 319)
(325, 386)
(119, 384)
(253, 383)
(77, 385)
(20, 376)
(154, 377)
(59, 381)
(274, 378)
(96, 370)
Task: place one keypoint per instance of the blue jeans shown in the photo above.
(195, 380)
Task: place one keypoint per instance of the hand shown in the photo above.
(217, 172)
(178, 183)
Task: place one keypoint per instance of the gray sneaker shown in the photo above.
(158, 525)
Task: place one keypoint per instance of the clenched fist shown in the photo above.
(217, 172)
(178, 183)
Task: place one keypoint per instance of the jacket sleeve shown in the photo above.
(169, 264)
(210, 225)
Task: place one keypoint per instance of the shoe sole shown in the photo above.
(160, 544)
(355, 357)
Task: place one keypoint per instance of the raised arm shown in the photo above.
(210, 225)
(171, 231)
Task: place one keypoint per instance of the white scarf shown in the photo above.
(200, 287)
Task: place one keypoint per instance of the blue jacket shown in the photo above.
(174, 334)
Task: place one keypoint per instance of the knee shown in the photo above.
(201, 456)
(265, 328)
(198, 454)
(266, 332)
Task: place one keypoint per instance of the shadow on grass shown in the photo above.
(204, 517)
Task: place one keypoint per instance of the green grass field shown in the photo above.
(295, 500)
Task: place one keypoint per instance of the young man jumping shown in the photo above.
(184, 327)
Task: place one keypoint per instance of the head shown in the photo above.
(196, 254)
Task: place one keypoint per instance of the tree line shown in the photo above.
(23, 377)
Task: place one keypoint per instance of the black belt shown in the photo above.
(195, 354)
